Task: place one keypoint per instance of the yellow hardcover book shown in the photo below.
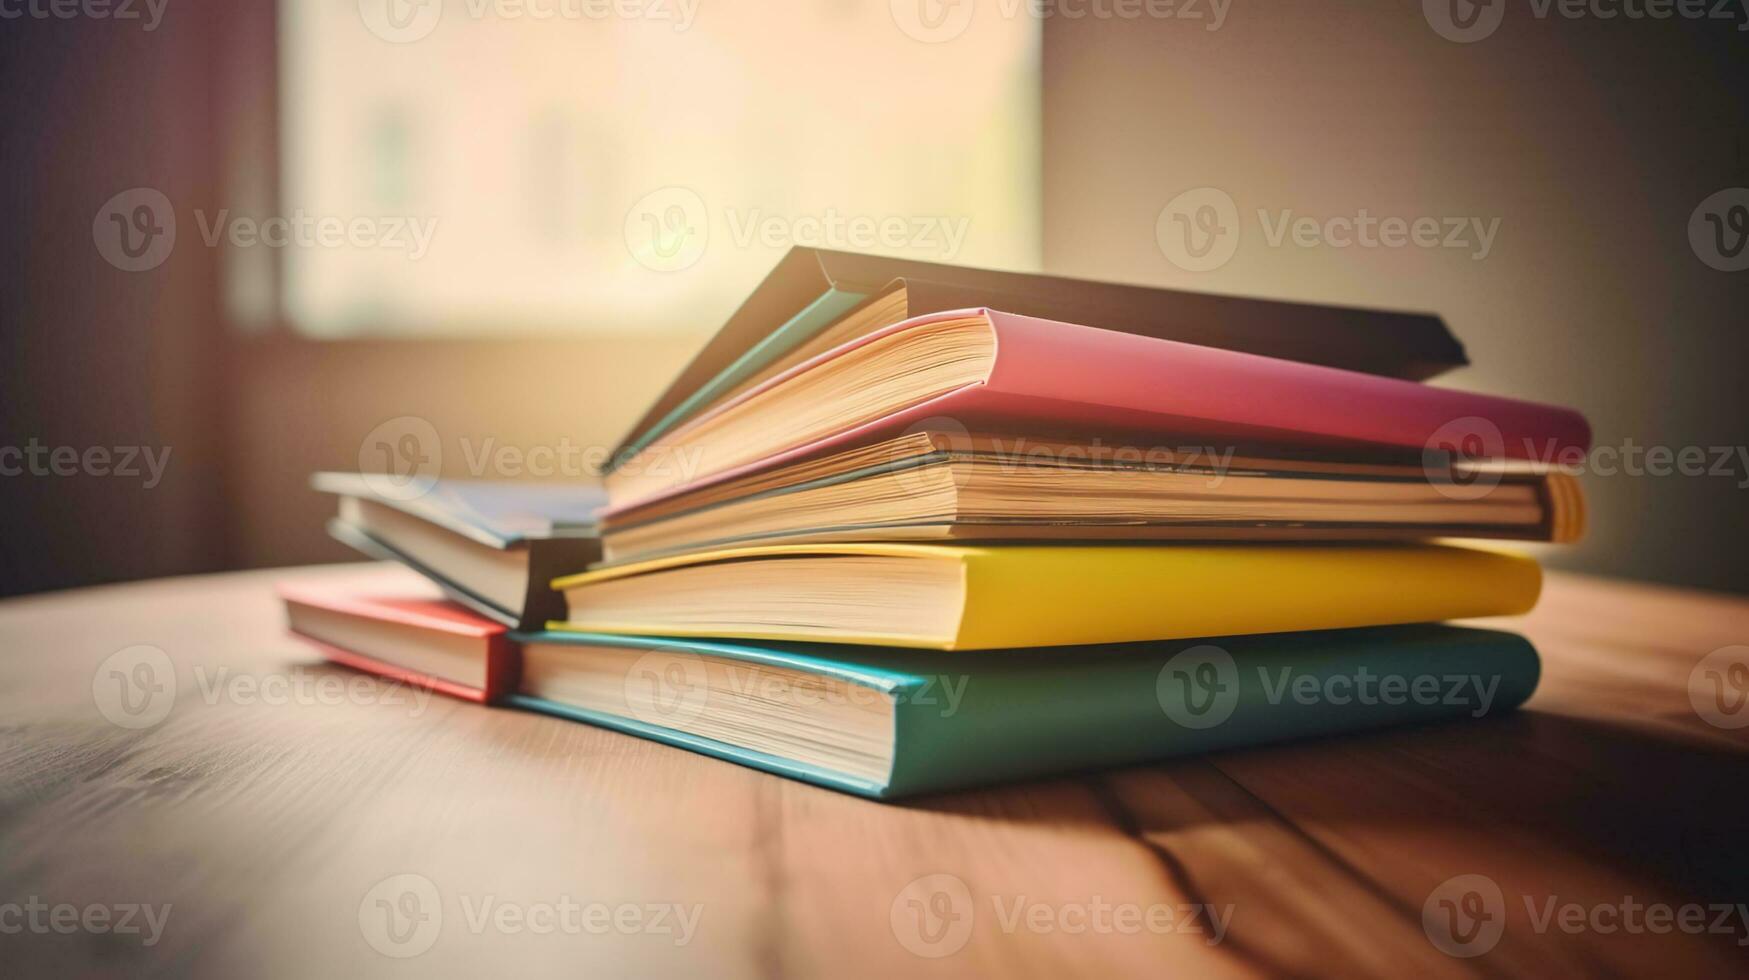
(953, 597)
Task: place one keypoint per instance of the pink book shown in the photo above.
(400, 626)
(1045, 375)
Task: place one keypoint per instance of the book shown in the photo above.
(889, 723)
(401, 627)
(992, 371)
(969, 597)
(491, 545)
(937, 486)
(816, 298)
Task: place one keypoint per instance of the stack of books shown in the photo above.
(903, 527)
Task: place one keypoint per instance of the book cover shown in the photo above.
(396, 614)
(551, 526)
(963, 721)
(1047, 375)
(809, 288)
(1018, 596)
(926, 486)
(498, 513)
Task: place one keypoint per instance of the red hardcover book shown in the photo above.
(400, 626)
(1023, 374)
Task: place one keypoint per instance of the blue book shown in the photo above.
(888, 723)
(494, 546)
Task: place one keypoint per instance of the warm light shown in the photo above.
(635, 170)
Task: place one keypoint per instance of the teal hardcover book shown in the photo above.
(797, 330)
(889, 723)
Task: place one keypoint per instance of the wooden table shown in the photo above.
(276, 826)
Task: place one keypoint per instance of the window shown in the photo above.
(636, 164)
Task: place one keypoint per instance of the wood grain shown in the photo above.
(266, 826)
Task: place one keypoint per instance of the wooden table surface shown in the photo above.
(290, 818)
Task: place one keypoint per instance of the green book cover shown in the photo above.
(801, 328)
(965, 719)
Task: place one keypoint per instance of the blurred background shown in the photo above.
(243, 235)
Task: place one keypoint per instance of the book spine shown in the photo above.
(1125, 706)
(371, 665)
(503, 667)
(1029, 596)
(1079, 373)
